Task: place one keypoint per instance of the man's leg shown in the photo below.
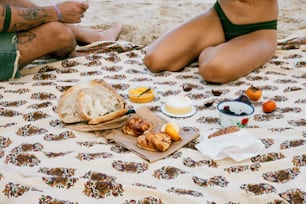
(51, 38)
(83, 35)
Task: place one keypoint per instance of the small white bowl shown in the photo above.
(235, 113)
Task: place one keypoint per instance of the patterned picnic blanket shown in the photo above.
(41, 161)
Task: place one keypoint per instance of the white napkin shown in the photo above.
(239, 146)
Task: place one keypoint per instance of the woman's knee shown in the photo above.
(215, 71)
(152, 62)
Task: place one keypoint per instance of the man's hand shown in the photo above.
(72, 12)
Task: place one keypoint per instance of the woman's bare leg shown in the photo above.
(179, 47)
(237, 57)
(51, 38)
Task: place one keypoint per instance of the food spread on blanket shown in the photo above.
(95, 102)
(147, 136)
(152, 137)
(43, 161)
(152, 140)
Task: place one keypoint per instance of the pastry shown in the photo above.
(145, 144)
(178, 105)
(227, 130)
(136, 126)
(157, 141)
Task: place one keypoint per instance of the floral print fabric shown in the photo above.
(41, 161)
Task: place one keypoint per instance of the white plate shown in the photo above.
(193, 110)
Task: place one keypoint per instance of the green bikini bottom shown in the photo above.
(8, 56)
(233, 30)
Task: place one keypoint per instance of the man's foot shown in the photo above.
(90, 36)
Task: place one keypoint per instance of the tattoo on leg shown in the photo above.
(21, 26)
(26, 37)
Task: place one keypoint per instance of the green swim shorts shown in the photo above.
(9, 56)
(233, 30)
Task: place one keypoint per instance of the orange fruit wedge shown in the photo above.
(172, 129)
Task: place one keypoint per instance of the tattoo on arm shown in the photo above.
(33, 13)
(25, 37)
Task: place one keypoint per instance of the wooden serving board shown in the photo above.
(129, 142)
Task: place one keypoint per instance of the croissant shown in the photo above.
(136, 126)
(158, 141)
(230, 129)
(143, 143)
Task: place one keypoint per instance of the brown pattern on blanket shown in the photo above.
(43, 162)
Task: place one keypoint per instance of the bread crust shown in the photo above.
(227, 130)
(136, 126)
(157, 141)
(63, 106)
(143, 143)
(120, 109)
(73, 107)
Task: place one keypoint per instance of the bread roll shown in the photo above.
(136, 126)
(157, 141)
(227, 130)
(94, 101)
(143, 143)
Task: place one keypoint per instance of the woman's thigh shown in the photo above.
(237, 57)
(182, 45)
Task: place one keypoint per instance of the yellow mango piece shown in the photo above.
(172, 132)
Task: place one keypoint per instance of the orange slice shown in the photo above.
(172, 129)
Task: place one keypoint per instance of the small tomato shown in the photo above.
(269, 106)
(253, 93)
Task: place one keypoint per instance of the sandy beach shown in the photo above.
(145, 20)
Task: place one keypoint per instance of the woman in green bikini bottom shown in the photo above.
(229, 40)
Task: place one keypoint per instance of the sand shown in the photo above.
(145, 20)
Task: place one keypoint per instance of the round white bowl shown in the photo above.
(239, 113)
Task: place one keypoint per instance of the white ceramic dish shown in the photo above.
(235, 113)
(192, 112)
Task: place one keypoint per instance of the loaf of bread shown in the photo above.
(227, 130)
(94, 102)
